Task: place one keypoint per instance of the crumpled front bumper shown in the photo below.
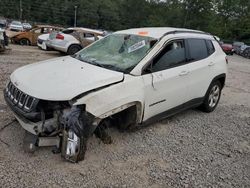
(33, 127)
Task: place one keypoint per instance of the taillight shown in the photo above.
(226, 60)
(59, 36)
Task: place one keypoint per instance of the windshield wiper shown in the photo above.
(97, 64)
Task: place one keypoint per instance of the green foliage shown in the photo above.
(229, 19)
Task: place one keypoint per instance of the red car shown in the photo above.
(227, 48)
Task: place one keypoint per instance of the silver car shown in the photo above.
(16, 26)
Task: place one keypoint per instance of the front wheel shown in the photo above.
(212, 97)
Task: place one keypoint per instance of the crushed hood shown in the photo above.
(62, 79)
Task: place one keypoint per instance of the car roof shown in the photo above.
(47, 26)
(157, 32)
(15, 21)
(85, 29)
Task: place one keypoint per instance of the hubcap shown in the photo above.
(214, 96)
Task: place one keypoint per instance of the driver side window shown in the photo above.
(171, 56)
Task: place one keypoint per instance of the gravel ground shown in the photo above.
(191, 149)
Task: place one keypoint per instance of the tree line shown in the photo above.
(228, 19)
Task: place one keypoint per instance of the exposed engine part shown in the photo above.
(30, 142)
(49, 141)
(102, 131)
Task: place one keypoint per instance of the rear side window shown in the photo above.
(68, 31)
(88, 35)
(210, 47)
(197, 49)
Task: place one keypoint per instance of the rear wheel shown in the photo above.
(212, 97)
(74, 49)
(24, 42)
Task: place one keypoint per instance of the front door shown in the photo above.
(166, 85)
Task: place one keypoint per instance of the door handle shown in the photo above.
(183, 73)
(211, 64)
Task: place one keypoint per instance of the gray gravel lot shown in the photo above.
(191, 149)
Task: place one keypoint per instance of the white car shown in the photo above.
(27, 26)
(73, 40)
(16, 26)
(127, 79)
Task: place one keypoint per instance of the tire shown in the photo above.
(24, 42)
(73, 49)
(212, 97)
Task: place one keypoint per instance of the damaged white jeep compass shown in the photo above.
(127, 79)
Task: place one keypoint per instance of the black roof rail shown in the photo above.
(185, 31)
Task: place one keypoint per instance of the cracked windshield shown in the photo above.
(118, 52)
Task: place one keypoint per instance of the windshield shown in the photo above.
(119, 52)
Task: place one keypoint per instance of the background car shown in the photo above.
(27, 26)
(242, 49)
(227, 48)
(246, 52)
(2, 43)
(73, 40)
(3, 40)
(16, 26)
(3, 23)
(237, 46)
(30, 37)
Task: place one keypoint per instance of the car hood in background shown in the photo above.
(62, 79)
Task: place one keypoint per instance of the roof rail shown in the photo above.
(183, 31)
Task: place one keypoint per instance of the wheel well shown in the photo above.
(24, 39)
(222, 81)
(127, 118)
(74, 45)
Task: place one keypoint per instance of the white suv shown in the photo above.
(127, 79)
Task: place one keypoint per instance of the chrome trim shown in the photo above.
(19, 98)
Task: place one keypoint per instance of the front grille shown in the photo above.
(20, 99)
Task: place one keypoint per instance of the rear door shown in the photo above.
(201, 66)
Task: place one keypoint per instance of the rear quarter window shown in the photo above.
(68, 31)
(210, 47)
(197, 49)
